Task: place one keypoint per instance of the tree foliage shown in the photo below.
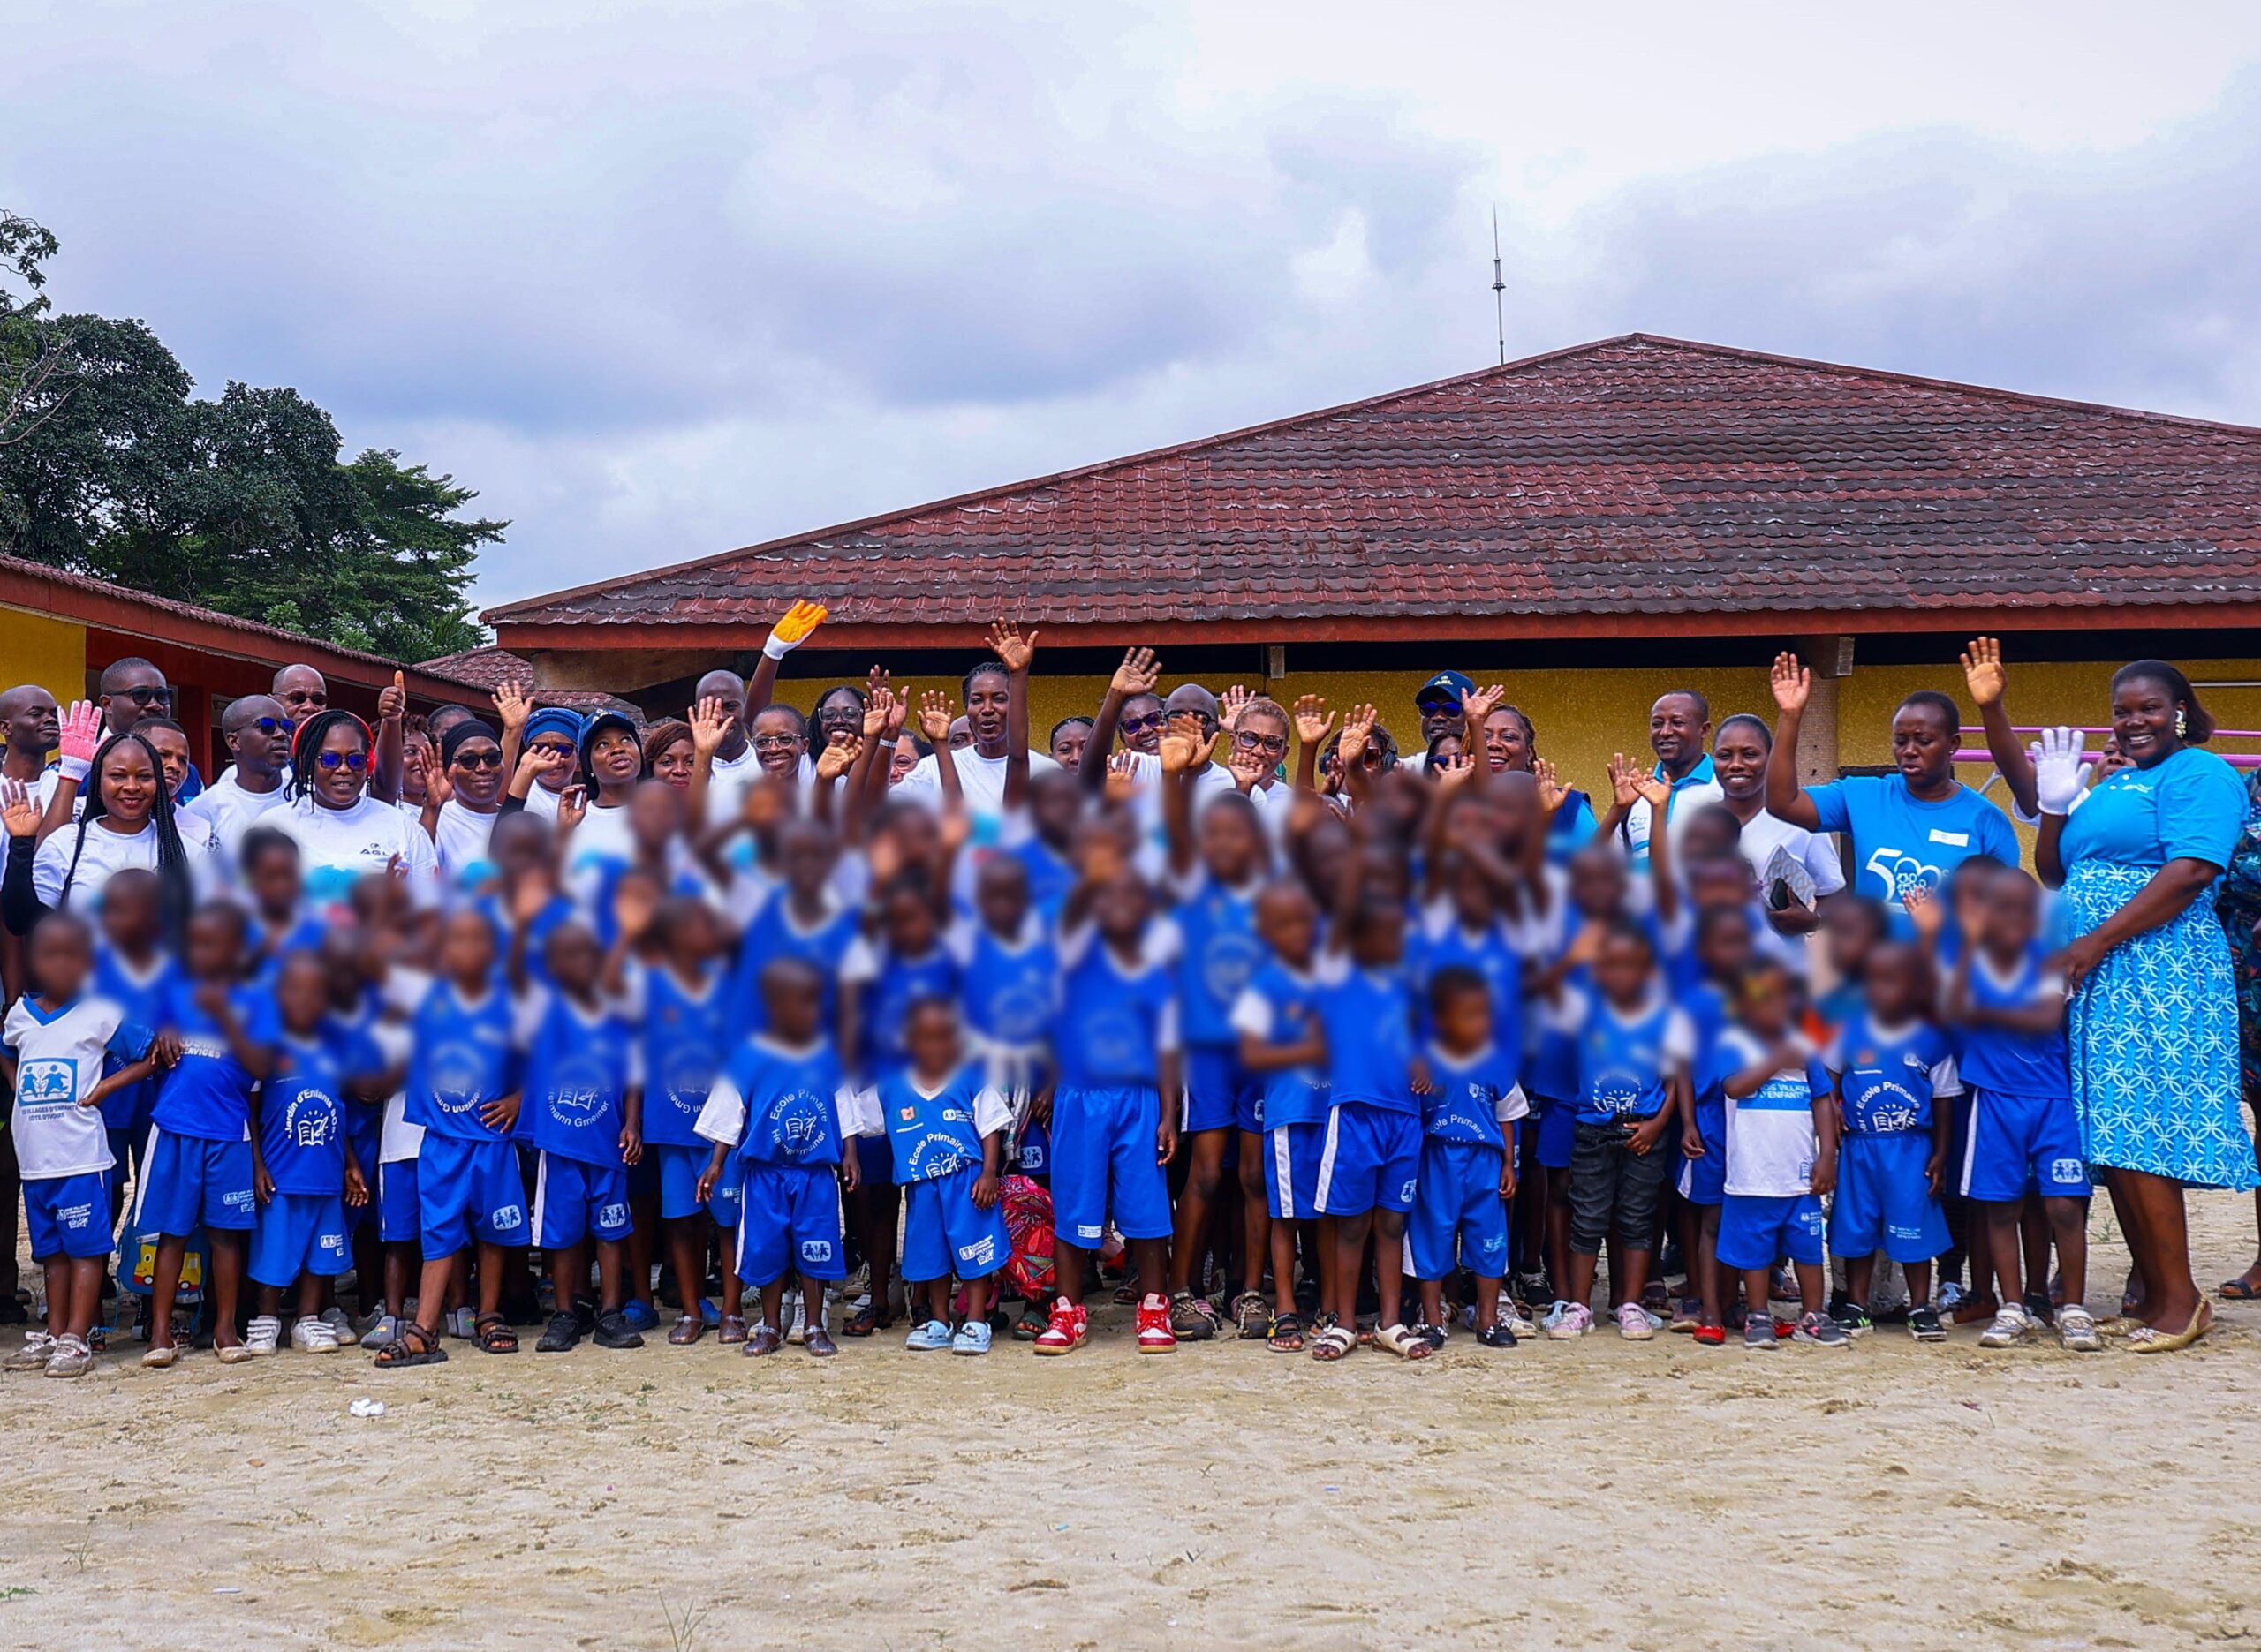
(108, 465)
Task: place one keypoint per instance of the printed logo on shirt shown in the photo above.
(310, 1121)
(48, 1082)
(1897, 872)
(458, 1076)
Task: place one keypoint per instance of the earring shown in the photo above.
(2181, 722)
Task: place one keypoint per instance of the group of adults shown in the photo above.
(2153, 843)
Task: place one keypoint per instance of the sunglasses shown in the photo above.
(308, 696)
(1248, 740)
(479, 760)
(355, 761)
(1139, 725)
(149, 697)
(269, 726)
(1437, 708)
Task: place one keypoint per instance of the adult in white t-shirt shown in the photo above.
(128, 824)
(343, 833)
(996, 715)
(257, 732)
(463, 799)
(1739, 753)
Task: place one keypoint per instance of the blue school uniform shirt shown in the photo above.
(1218, 952)
(460, 1057)
(931, 1136)
(207, 1092)
(140, 995)
(891, 985)
(579, 1064)
(1050, 877)
(303, 932)
(686, 1035)
(1279, 1005)
(1114, 1020)
(1470, 1096)
(1624, 1059)
(1999, 1059)
(2189, 806)
(1901, 842)
(1368, 1016)
(774, 932)
(558, 909)
(1011, 985)
(1888, 1077)
(776, 1105)
(304, 1113)
(363, 1120)
(1447, 944)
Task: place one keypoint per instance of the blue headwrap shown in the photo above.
(553, 720)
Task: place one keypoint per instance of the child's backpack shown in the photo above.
(1028, 1225)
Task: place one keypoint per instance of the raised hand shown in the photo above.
(1011, 646)
(1231, 707)
(438, 788)
(634, 905)
(19, 810)
(1136, 674)
(836, 759)
(1924, 911)
(1184, 745)
(1122, 777)
(1652, 789)
(1623, 778)
(1313, 721)
(878, 710)
(532, 897)
(2057, 769)
(1247, 768)
(513, 704)
(572, 804)
(1478, 703)
(1982, 670)
(935, 714)
(1552, 792)
(1452, 773)
(710, 726)
(790, 632)
(1357, 729)
(81, 735)
(536, 761)
(1792, 682)
(392, 701)
(877, 678)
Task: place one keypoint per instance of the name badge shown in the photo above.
(1953, 840)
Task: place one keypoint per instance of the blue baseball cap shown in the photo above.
(1451, 681)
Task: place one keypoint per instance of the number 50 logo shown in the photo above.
(1897, 872)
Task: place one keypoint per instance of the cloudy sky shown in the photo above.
(662, 281)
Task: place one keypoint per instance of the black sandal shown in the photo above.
(494, 1335)
(412, 1345)
(1286, 1333)
(862, 1322)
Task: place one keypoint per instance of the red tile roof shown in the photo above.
(1636, 485)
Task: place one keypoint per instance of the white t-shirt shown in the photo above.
(459, 842)
(1770, 1146)
(541, 801)
(337, 848)
(1764, 833)
(602, 840)
(726, 786)
(981, 778)
(106, 854)
(58, 1061)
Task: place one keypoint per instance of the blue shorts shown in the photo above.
(1883, 1201)
(1704, 1181)
(1103, 1161)
(1757, 1231)
(574, 1200)
(2018, 1142)
(400, 1216)
(679, 1169)
(1370, 1158)
(790, 1220)
(1557, 1134)
(300, 1232)
(1033, 1156)
(944, 1232)
(188, 1182)
(68, 1216)
(1291, 1156)
(1219, 1093)
(1458, 1217)
(469, 1189)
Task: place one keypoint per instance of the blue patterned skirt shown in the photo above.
(2153, 1035)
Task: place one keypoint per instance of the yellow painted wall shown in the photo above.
(52, 653)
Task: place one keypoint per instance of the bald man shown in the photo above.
(303, 691)
(31, 725)
(1680, 732)
(734, 768)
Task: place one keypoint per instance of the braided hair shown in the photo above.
(307, 745)
(175, 893)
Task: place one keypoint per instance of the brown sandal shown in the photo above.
(494, 1335)
(733, 1329)
(687, 1330)
(414, 1346)
(818, 1341)
(764, 1340)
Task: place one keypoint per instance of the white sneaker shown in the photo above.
(2076, 1330)
(341, 1329)
(263, 1334)
(69, 1357)
(1515, 1321)
(1633, 1323)
(38, 1348)
(314, 1335)
(798, 1330)
(2011, 1327)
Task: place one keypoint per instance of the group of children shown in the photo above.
(1244, 1023)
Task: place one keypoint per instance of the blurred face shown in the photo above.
(1068, 743)
(1709, 835)
(1922, 747)
(130, 912)
(172, 755)
(467, 949)
(1597, 882)
(1465, 1022)
(1852, 933)
(137, 693)
(62, 956)
(520, 847)
(32, 723)
(1230, 846)
(693, 936)
(274, 880)
(1119, 908)
(1723, 944)
(1056, 803)
(805, 855)
(476, 773)
(1765, 1002)
(1470, 893)
(655, 816)
(302, 990)
(1507, 741)
(910, 924)
(341, 767)
(215, 944)
(2142, 720)
(793, 995)
(1378, 934)
(672, 763)
(1288, 923)
(778, 742)
(1001, 893)
(1739, 760)
(1623, 969)
(931, 1038)
(573, 958)
(1677, 732)
(1895, 982)
(129, 785)
(987, 700)
(2012, 914)
(302, 691)
(1143, 719)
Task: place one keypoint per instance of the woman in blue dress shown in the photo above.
(2153, 1020)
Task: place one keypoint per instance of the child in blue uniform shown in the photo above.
(585, 1099)
(782, 1117)
(198, 1169)
(134, 970)
(2006, 1007)
(1723, 950)
(946, 1123)
(1011, 972)
(58, 1041)
(305, 1167)
(1216, 866)
(1781, 1159)
(1282, 1044)
(1634, 1049)
(281, 921)
(1471, 1096)
(463, 1092)
(1892, 1073)
(1115, 1105)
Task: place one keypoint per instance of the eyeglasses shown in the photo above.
(776, 742)
(479, 760)
(355, 761)
(149, 696)
(1141, 725)
(1249, 740)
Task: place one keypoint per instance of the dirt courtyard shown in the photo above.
(1597, 1493)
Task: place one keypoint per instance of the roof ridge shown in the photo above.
(504, 611)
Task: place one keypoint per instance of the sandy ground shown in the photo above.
(1597, 1493)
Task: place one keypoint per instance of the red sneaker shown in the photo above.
(1711, 1336)
(1785, 1329)
(1069, 1326)
(1154, 1334)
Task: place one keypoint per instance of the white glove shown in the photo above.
(2057, 777)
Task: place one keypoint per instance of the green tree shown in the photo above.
(110, 466)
